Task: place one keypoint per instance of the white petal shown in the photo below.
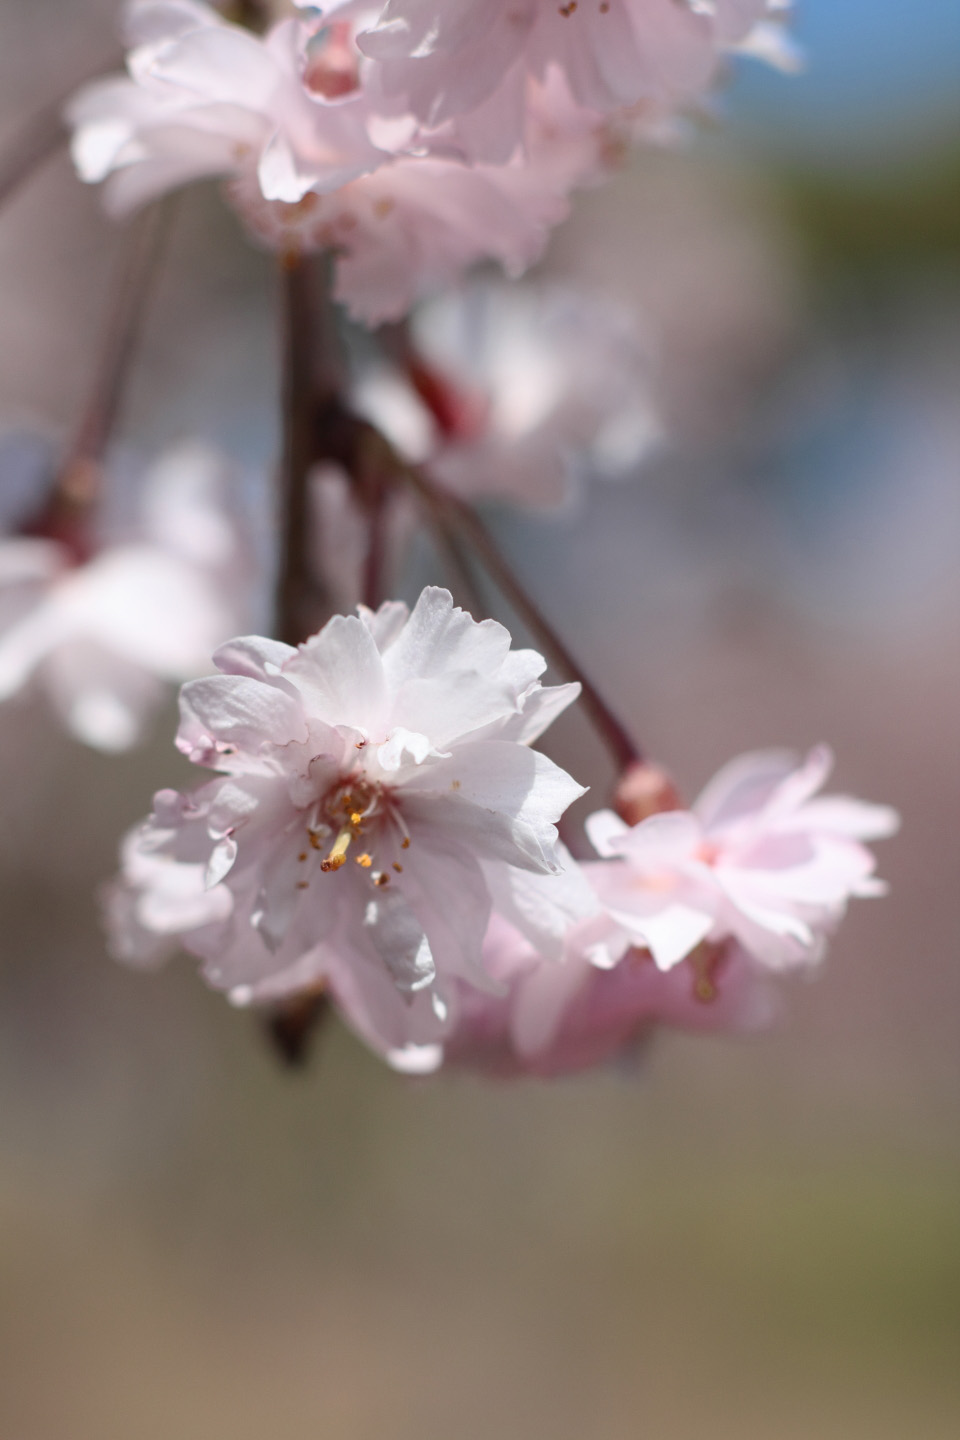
(501, 799)
(401, 745)
(386, 623)
(340, 675)
(840, 815)
(670, 933)
(605, 830)
(439, 638)
(742, 786)
(400, 941)
(253, 655)
(415, 1059)
(232, 713)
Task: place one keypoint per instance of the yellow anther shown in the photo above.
(398, 867)
(365, 860)
(405, 843)
(338, 853)
(355, 817)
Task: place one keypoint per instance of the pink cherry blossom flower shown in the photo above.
(319, 159)
(207, 98)
(507, 392)
(105, 639)
(757, 859)
(553, 1019)
(513, 391)
(553, 1010)
(378, 785)
(413, 226)
(450, 59)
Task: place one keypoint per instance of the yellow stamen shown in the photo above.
(338, 853)
(398, 867)
(405, 843)
(355, 817)
(365, 860)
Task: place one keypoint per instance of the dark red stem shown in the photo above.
(464, 522)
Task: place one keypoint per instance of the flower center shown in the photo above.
(349, 809)
(333, 66)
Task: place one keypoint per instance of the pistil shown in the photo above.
(338, 851)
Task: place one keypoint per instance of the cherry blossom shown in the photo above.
(515, 393)
(319, 159)
(413, 226)
(551, 1009)
(512, 392)
(378, 789)
(553, 1019)
(451, 59)
(106, 638)
(207, 98)
(758, 859)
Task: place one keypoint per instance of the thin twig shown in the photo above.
(133, 286)
(312, 380)
(457, 517)
(448, 543)
(376, 558)
(67, 512)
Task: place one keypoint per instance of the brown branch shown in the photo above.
(67, 513)
(134, 282)
(312, 381)
(463, 522)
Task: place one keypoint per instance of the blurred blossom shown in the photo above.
(758, 859)
(512, 392)
(553, 1019)
(104, 639)
(379, 784)
(470, 62)
(416, 224)
(318, 159)
(206, 98)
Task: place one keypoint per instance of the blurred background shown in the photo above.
(754, 1239)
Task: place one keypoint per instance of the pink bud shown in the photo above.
(644, 790)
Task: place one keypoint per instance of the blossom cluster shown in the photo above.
(410, 143)
(381, 831)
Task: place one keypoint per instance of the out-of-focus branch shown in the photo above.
(362, 449)
(76, 492)
(312, 383)
(136, 275)
(40, 136)
(451, 550)
(254, 15)
(464, 523)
